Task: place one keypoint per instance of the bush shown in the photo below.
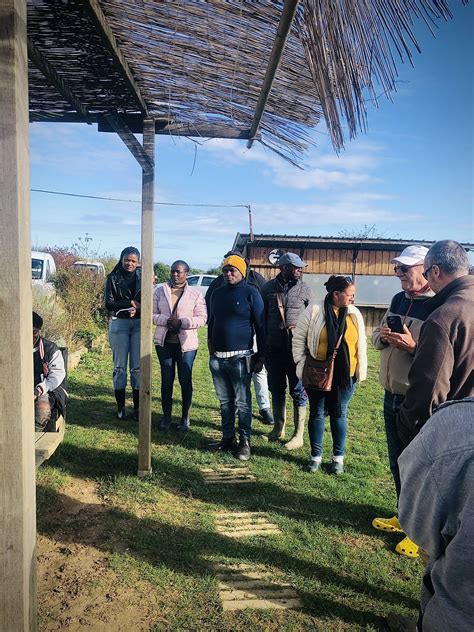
(57, 326)
(82, 293)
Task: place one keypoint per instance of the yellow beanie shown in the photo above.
(237, 262)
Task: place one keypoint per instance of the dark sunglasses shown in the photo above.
(349, 280)
(426, 272)
(404, 269)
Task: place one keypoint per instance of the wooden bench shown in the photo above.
(46, 443)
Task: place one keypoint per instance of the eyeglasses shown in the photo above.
(349, 280)
(404, 269)
(426, 272)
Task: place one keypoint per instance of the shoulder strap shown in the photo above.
(44, 364)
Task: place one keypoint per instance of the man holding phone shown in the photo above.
(396, 338)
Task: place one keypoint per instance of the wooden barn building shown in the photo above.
(368, 261)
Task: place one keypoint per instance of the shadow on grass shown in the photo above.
(187, 550)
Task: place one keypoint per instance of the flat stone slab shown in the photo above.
(244, 524)
(227, 475)
(250, 586)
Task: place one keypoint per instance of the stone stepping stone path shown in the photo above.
(227, 475)
(248, 586)
(243, 524)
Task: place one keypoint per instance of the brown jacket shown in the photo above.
(443, 368)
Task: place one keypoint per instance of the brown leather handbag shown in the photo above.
(318, 374)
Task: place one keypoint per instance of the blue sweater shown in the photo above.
(236, 312)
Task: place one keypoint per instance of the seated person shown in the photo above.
(49, 378)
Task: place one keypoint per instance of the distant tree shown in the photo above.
(162, 271)
(196, 271)
(368, 231)
(216, 271)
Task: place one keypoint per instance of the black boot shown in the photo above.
(243, 451)
(184, 425)
(120, 399)
(226, 444)
(136, 402)
(267, 417)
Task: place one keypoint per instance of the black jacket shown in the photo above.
(118, 294)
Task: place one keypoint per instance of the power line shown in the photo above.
(99, 197)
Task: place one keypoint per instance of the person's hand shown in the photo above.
(257, 365)
(404, 341)
(38, 392)
(384, 333)
(132, 311)
(136, 304)
(174, 324)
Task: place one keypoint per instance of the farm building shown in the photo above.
(369, 261)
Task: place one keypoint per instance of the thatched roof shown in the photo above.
(204, 62)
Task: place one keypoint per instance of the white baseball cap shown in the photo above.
(411, 255)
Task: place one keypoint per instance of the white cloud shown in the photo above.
(323, 170)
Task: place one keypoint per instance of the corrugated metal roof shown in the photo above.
(308, 241)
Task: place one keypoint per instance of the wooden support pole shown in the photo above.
(17, 453)
(132, 144)
(146, 344)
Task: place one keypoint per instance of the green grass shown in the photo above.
(160, 530)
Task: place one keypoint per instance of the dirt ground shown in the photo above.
(77, 588)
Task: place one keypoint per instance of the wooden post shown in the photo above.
(146, 344)
(17, 454)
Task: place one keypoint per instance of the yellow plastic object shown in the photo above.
(387, 524)
(407, 548)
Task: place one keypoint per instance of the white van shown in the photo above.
(201, 281)
(42, 268)
(96, 267)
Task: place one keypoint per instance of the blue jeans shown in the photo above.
(281, 367)
(391, 406)
(260, 384)
(232, 383)
(170, 356)
(338, 424)
(124, 339)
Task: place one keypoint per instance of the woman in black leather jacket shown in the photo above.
(122, 299)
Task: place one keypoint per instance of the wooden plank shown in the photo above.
(43, 65)
(103, 28)
(346, 262)
(146, 340)
(17, 456)
(46, 443)
(145, 161)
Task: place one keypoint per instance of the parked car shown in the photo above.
(201, 281)
(42, 269)
(97, 267)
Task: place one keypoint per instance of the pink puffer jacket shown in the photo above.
(191, 311)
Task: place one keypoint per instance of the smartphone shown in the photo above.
(395, 323)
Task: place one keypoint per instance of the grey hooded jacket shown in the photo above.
(436, 510)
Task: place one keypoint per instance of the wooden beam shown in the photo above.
(17, 453)
(284, 27)
(40, 61)
(108, 38)
(146, 342)
(162, 126)
(139, 152)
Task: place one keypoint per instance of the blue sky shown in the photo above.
(411, 174)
